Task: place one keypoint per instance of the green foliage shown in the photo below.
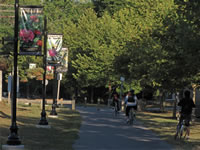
(142, 54)
(3, 63)
(111, 6)
(6, 24)
(35, 73)
(151, 43)
(181, 43)
(59, 13)
(94, 48)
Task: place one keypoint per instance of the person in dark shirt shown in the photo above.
(116, 99)
(186, 105)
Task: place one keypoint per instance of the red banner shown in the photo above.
(31, 27)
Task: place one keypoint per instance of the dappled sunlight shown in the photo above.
(141, 127)
(4, 115)
(91, 131)
(100, 125)
(97, 125)
(149, 139)
(165, 126)
(64, 129)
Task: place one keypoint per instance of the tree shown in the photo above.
(147, 42)
(92, 49)
(142, 52)
(109, 6)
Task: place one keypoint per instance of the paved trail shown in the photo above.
(100, 130)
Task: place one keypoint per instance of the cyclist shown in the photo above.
(116, 100)
(130, 102)
(186, 105)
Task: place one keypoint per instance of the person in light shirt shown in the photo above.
(130, 102)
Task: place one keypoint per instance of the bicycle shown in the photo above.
(181, 130)
(132, 116)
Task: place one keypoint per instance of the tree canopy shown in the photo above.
(150, 43)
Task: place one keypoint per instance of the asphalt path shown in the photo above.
(101, 130)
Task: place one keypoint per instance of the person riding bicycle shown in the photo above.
(130, 102)
(186, 105)
(116, 100)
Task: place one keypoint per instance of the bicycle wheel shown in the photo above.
(177, 132)
(131, 116)
(183, 131)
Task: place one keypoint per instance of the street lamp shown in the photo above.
(13, 138)
(43, 120)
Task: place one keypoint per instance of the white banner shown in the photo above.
(54, 47)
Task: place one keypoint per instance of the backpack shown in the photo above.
(187, 106)
(131, 99)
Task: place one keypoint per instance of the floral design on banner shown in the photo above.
(31, 30)
(54, 47)
(64, 61)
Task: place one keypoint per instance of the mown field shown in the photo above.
(61, 136)
(64, 129)
(164, 125)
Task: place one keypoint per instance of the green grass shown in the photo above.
(64, 129)
(61, 136)
(165, 126)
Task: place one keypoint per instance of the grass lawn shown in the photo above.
(61, 136)
(165, 126)
(64, 129)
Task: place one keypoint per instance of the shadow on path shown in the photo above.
(3, 115)
(100, 130)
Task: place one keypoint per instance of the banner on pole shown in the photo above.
(49, 69)
(54, 48)
(31, 27)
(64, 61)
(64, 54)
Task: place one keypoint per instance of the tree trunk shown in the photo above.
(161, 98)
(92, 95)
(143, 103)
(27, 90)
(175, 105)
(162, 104)
(194, 93)
(196, 110)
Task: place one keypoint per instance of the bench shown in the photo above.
(67, 102)
(61, 102)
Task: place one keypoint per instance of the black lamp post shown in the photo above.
(43, 120)
(53, 111)
(13, 138)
